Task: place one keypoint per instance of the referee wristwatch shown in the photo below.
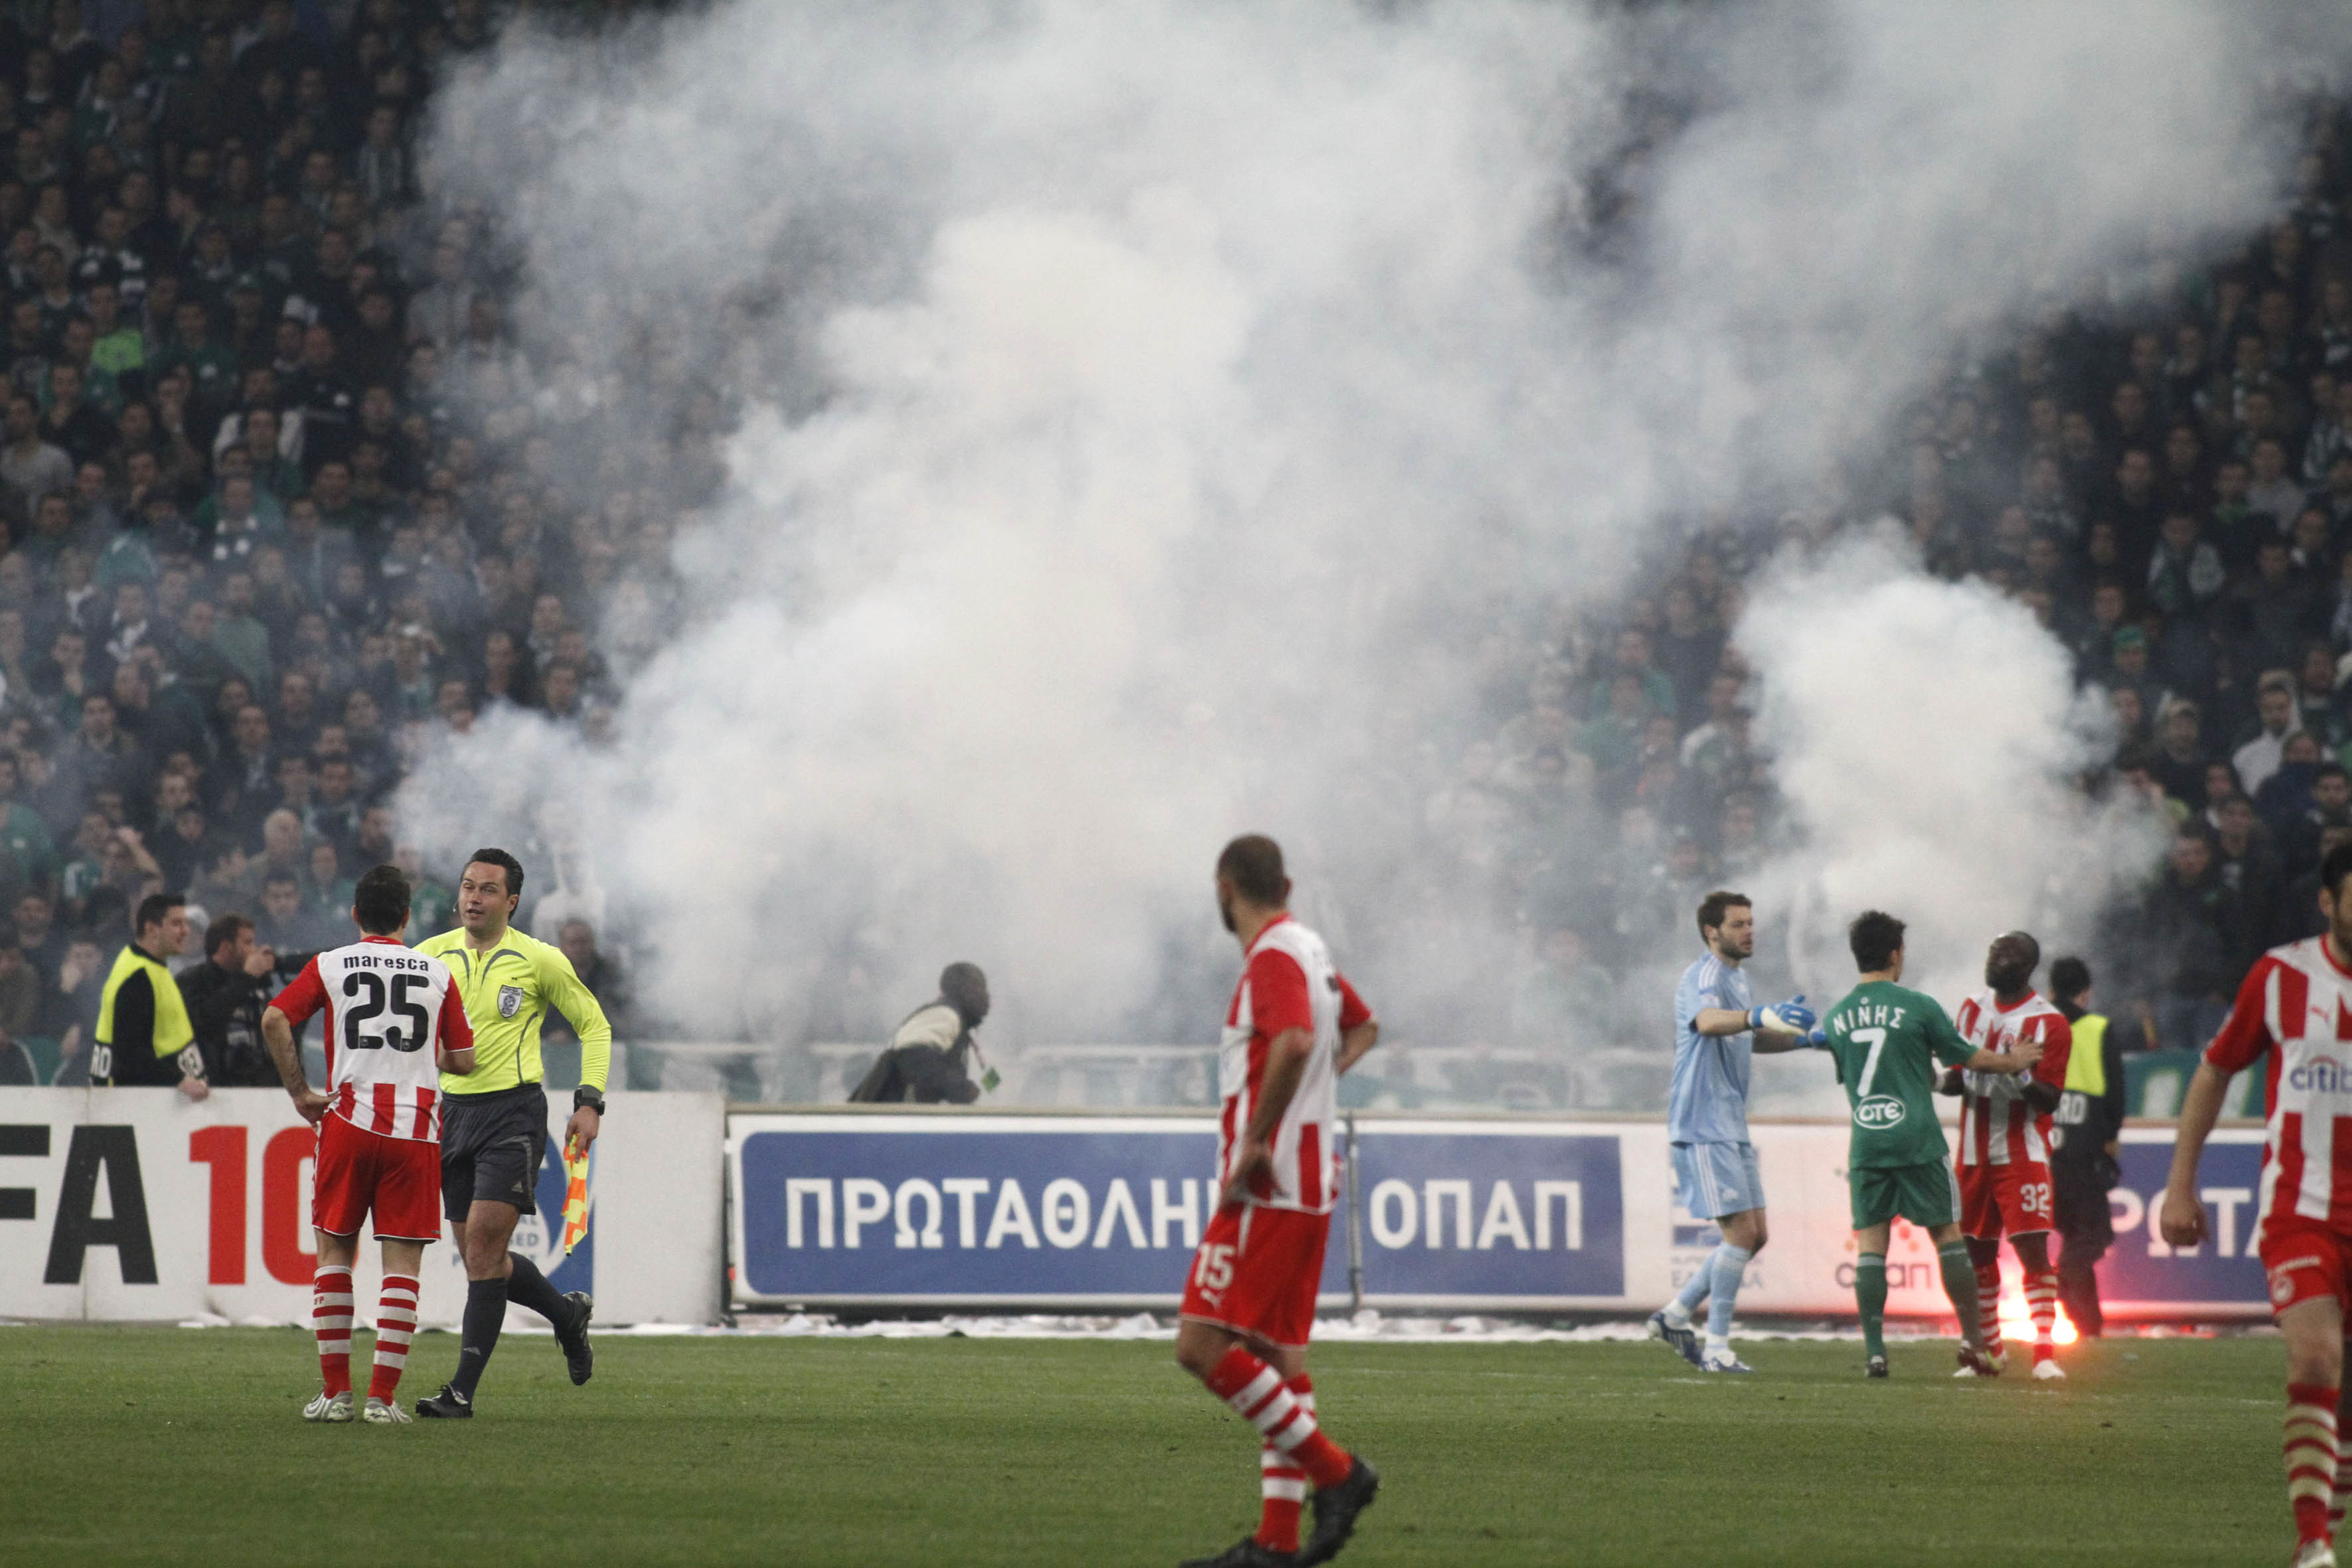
(587, 1099)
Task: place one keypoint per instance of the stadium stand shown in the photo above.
(285, 491)
(279, 495)
(2160, 470)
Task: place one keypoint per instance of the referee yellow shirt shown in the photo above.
(508, 992)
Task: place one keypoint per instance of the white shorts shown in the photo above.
(1718, 1179)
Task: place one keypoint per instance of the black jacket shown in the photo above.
(920, 1074)
(225, 1006)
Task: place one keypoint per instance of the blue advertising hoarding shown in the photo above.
(2141, 1276)
(1469, 1214)
(949, 1211)
(1105, 1211)
(1497, 1213)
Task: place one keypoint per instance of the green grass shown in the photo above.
(137, 1446)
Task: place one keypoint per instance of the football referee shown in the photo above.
(494, 1122)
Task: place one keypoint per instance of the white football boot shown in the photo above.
(329, 1408)
(2315, 1554)
(382, 1412)
(2047, 1370)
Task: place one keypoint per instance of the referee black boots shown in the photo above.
(447, 1405)
(577, 1356)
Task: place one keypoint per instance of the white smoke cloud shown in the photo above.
(1930, 741)
(1174, 397)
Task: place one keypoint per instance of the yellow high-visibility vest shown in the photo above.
(2086, 1064)
(173, 1030)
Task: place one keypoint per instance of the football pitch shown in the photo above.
(123, 1445)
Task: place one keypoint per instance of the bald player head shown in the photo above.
(2010, 963)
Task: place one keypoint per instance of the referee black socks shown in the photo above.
(526, 1286)
(485, 1313)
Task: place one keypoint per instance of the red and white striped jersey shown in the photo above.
(2296, 1006)
(1997, 1127)
(389, 1012)
(1287, 982)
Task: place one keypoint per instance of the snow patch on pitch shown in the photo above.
(1366, 1327)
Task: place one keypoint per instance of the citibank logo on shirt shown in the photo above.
(1879, 1112)
(2321, 1075)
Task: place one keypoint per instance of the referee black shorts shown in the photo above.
(491, 1146)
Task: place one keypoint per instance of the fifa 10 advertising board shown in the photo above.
(968, 1209)
(1050, 1211)
(141, 1204)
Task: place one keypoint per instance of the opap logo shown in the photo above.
(1879, 1112)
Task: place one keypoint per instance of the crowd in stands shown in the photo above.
(279, 496)
(284, 496)
(2163, 475)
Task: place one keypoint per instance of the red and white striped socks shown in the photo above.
(395, 1325)
(330, 1319)
(2310, 1445)
(1988, 1303)
(1259, 1396)
(2343, 1479)
(2042, 1302)
(1281, 1484)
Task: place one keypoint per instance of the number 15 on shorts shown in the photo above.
(1212, 1268)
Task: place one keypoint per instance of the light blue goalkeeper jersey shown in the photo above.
(1708, 1100)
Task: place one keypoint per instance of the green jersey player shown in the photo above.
(1887, 1041)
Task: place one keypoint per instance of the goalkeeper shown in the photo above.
(1886, 1040)
(1716, 1028)
(494, 1123)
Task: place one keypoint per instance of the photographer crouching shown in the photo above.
(925, 1063)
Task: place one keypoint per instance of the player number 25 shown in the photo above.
(420, 1021)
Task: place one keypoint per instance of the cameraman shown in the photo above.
(225, 996)
(2084, 1155)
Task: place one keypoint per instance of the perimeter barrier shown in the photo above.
(141, 1206)
(889, 1208)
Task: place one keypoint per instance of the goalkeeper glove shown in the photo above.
(1789, 1017)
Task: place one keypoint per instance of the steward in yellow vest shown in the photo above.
(144, 1037)
(2083, 1156)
